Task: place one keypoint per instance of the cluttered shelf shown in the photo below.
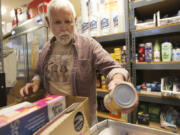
(165, 29)
(157, 97)
(107, 116)
(111, 37)
(157, 126)
(158, 65)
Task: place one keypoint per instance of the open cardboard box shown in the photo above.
(74, 120)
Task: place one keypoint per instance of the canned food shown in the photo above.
(122, 97)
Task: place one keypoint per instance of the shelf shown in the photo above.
(167, 29)
(142, 3)
(107, 116)
(101, 92)
(157, 98)
(157, 126)
(157, 66)
(109, 38)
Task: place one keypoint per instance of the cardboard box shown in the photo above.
(72, 121)
(111, 127)
(168, 20)
(26, 118)
(146, 25)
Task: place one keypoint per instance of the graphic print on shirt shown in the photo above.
(59, 68)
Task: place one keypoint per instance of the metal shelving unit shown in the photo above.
(110, 38)
(157, 66)
(168, 29)
(142, 7)
(142, 3)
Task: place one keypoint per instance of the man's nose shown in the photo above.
(63, 27)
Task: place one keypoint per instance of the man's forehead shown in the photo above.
(66, 10)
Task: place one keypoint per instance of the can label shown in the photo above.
(104, 23)
(84, 26)
(93, 25)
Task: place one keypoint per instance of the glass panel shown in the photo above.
(36, 41)
(14, 59)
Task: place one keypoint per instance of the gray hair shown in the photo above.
(58, 4)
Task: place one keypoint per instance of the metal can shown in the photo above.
(122, 97)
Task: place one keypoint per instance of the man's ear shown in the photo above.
(47, 21)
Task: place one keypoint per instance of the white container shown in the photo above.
(177, 54)
(148, 52)
(166, 51)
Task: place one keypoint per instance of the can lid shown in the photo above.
(124, 95)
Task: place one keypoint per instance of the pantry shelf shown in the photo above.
(159, 99)
(157, 66)
(112, 37)
(158, 126)
(167, 29)
(142, 3)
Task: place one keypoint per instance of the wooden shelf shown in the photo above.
(101, 90)
(107, 116)
(157, 126)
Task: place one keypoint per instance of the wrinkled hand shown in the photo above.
(28, 89)
(117, 79)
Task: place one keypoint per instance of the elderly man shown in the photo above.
(68, 62)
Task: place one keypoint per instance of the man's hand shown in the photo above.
(117, 79)
(30, 88)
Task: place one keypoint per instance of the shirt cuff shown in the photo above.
(114, 71)
(36, 77)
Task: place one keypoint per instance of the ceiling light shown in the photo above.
(3, 10)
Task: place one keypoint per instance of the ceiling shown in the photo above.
(9, 5)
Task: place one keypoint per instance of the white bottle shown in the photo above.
(166, 49)
(156, 51)
(177, 55)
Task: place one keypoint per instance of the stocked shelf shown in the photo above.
(109, 38)
(101, 92)
(142, 3)
(157, 66)
(107, 116)
(166, 29)
(158, 126)
(158, 98)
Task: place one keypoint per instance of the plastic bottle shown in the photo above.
(166, 49)
(141, 53)
(123, 55)
(148, 52)
(156, 52)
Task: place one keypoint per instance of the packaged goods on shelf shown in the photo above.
(150, 23)
(168, 20)
(26, 118)
(166, 51)
(170, 86)
(111, 127)
(85, 17)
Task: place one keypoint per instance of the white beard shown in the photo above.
(64, 41)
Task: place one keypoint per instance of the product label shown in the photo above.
(104, 23)
(78, 121)
(115, 21)
(84, 26)
(93, 25)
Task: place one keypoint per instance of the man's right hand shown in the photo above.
(29, 88)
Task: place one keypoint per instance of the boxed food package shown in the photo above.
(74, 120)
(25, 118)
(111, 127)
